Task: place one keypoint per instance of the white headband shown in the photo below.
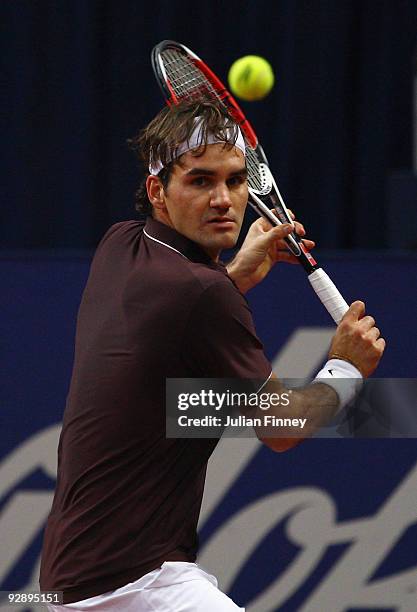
(195, 141)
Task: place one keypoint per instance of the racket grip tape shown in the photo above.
(328, 294)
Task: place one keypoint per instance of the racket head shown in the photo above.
(182, 75)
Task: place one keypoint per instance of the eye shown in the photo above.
(199, 181)
(236, 181)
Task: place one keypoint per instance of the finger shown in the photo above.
(274, 234)
(281, 231)
(355, 312)
(299, 228)
(374, 333)
(380, 344)
(286, 257)
(367, 322)
(309, 244)
(281, 245)
(266, 224)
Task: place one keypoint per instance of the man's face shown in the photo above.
(206, 198)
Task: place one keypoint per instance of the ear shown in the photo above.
(155, 192)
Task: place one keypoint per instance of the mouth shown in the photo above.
(221, 222)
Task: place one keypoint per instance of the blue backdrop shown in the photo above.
(331, 521)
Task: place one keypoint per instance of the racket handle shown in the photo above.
(328, 294)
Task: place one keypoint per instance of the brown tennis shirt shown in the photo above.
(127, 498)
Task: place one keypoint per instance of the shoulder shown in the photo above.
(219, 307)
(220, 338)
(210, 290)
(120, 241)
(206, 276)
(122, 229)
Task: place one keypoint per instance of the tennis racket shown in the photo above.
(181, 74)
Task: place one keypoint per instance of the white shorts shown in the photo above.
(176, 587)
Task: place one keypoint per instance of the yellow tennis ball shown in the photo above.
(251, 77)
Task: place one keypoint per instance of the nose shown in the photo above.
(220, 197)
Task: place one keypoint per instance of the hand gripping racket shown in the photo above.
(183, 75)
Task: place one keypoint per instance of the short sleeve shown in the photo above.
(220, 339)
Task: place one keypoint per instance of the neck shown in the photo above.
(162, 217)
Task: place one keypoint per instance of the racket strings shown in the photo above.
(187, 81)
(258, 178)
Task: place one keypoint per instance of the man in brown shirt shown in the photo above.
(158, 304)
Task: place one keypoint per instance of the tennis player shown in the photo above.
(121, 535)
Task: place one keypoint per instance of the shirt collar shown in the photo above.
(164, 234)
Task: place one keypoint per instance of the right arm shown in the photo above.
(357, 341)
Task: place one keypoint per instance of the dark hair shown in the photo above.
(172, 126)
